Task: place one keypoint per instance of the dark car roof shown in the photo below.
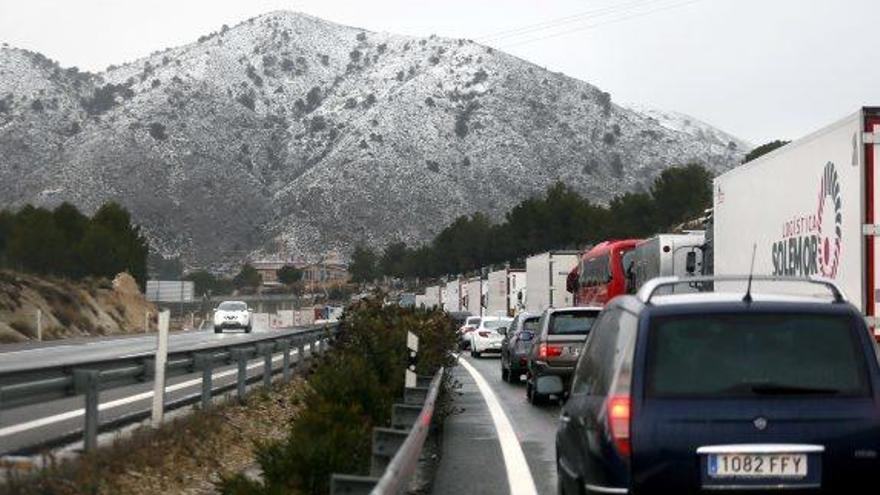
(712, 304)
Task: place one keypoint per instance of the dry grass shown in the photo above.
(185, 457)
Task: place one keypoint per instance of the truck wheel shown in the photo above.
(248, 329)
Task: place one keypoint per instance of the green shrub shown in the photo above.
(351, 391)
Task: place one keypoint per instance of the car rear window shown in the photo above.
(474, 322)
(723, 356)
(531, 324)
(571, 322)
(496, 323)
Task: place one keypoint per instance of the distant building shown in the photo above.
(268, 270)
(327, 271)
(324, 274)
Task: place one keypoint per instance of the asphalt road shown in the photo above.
(63, 353)
(23, 427)
(474, 460)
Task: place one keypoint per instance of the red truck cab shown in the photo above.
(602, 273)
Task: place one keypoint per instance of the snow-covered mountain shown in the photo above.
(287, 129)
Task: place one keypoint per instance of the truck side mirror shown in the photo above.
(571, 282)
(690, 263)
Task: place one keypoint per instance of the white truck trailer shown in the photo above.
(473, 298)
(516, 291)
(452, 302)
(666, 255)
(810, 208)
(496, 293)
(432, 297)
(546, 274)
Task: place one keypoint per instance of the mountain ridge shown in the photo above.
(290, 132)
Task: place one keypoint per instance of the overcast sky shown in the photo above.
(759, 69)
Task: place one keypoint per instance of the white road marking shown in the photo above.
(519, 476)
(48, 420)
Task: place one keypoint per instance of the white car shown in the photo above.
(232, 314)
(464, 339)
(487, 337)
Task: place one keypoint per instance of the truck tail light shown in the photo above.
(547, 351)
(619, 416)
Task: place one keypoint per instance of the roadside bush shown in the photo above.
(350, 391)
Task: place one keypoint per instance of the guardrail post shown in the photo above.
(266, 351)
(88, 382)
(415, 395)
(205, 363)
(285, 363)
(344, 484)
(301, 355)
(241, 358)
(404, 416)
(386, 442)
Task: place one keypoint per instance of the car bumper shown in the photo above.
(518, 361)
(232, 324)
(486, 346)
(541, 368)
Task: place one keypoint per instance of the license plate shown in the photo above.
(757, 465)
(575, 351)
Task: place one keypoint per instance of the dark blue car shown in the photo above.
(723, 392)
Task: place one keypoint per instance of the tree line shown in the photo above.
(65, 242)
(247, 279)
(560, 218)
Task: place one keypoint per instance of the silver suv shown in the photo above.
(561, 336)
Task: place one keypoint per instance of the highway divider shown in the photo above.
(34, 384)
(396, 451)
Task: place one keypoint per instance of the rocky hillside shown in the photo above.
(69, 309)
(289, 129)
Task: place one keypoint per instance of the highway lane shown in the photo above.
(21, 428)
(477, 463)
(97, 349)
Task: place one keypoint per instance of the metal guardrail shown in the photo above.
(40, 384)
(396, 450)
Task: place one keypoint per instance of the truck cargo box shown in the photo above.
(809, 209)
(546, 274)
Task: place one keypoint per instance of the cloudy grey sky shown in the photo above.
(760, 69)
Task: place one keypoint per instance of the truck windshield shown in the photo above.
(738, 355)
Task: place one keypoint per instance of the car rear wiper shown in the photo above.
(781, 389)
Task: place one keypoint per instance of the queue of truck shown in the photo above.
(739, 357)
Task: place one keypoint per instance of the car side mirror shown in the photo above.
(690, 263)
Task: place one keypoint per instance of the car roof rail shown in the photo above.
(652, 286)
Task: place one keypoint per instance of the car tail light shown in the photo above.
(485, 335)
(619, 415)
(546, 351)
